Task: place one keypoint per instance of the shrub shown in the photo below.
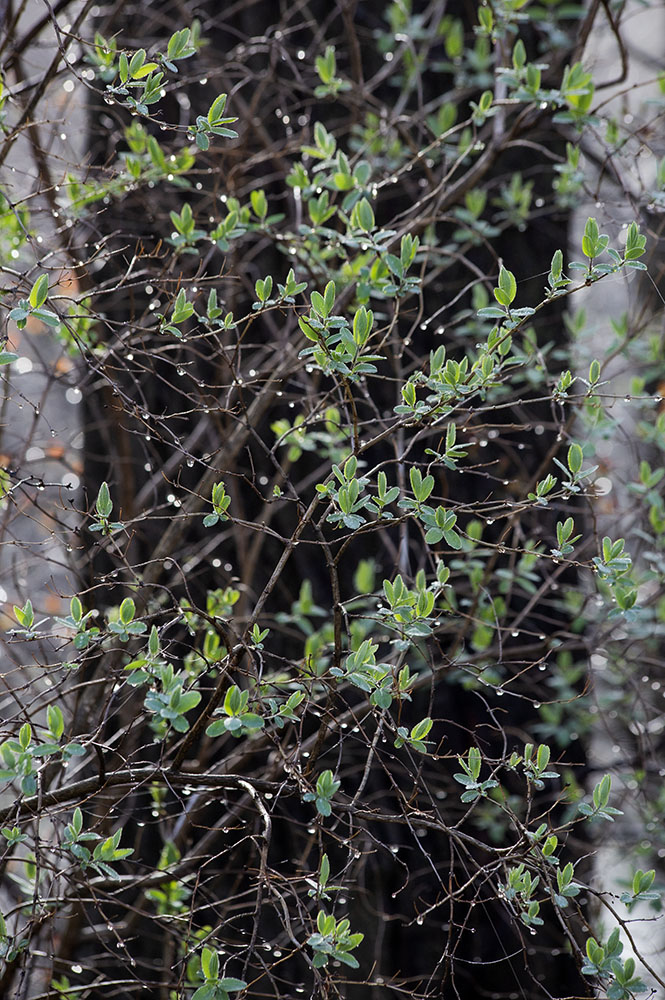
(319, 607)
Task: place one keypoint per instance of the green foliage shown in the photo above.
(348, 311)
(123, 624)
(415, 738)
(220, 503)
(519, 889)
(566, 888)
(640, 889)
(238, 720)
(214, 123)
(321, 888)
(33, 306)
(103, 510)
(326, 786)
(167, 701)
(79, 623)
(326, 68)
(599, 807)
(333, 939)
(104, 854)
(535, 767)
(469, 777)
(216, 987)
(605, 962)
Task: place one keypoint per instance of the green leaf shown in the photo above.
(56, 722)
(188, 701)
(364, 216)
(39, 292)
(216, 109)
(103, 504)
(136, 62)
(210, 964)
(329, 297)
(77, 820)
(232, 985)
(575, 459)
(259, 203)
(519, 54)
(127, 611)
(507, 284)
(25, 615)
(421, 729)
(206, 992)
(323, 806)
